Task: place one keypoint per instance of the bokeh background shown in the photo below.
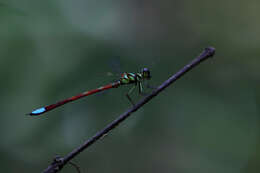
(206, 122)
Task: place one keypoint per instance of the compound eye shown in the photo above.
(146, 73)
(145, 70)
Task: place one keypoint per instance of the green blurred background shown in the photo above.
(206, 122)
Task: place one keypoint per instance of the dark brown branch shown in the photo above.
(58, 164)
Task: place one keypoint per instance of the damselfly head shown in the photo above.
(146, 73)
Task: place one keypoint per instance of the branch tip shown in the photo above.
(210, 51)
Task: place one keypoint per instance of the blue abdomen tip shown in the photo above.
(38, 111)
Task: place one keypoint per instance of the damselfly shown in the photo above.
(126, 78)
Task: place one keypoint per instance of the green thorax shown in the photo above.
(128, 78)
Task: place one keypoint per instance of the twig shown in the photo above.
(58, 164)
